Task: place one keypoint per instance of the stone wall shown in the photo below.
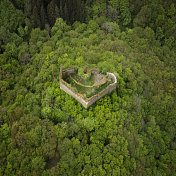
(69, 70)
(76, 96)
(105, 91)
(89, 101)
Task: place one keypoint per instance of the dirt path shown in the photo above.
(99, 80)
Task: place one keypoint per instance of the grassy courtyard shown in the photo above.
(86, 85)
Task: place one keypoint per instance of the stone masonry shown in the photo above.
(88, 101)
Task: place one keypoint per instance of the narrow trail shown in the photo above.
(94, 85)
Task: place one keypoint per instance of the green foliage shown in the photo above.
(81, 72)
(60, 25)
(45, 131)
(125, 12)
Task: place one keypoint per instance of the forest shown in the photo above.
(44, 131)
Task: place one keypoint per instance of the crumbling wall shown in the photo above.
(76, 96)
(105, 91)
(70, 70)
(89, 101)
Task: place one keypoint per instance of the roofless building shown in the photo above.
(86, 85)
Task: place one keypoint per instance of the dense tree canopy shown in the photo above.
(44, 131)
